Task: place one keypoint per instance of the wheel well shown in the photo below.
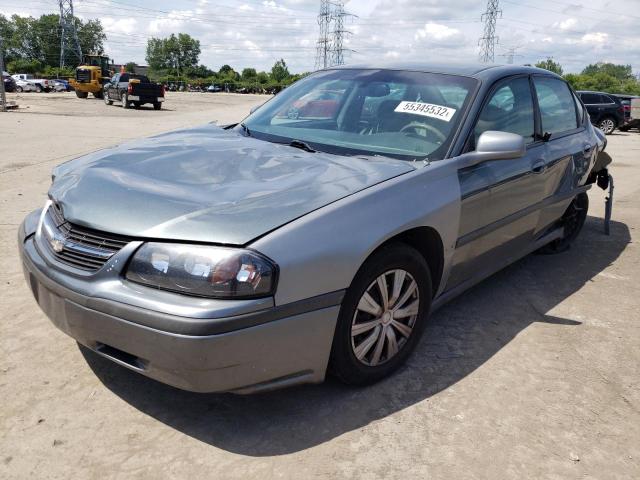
(427, 241)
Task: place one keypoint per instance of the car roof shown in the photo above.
(476, 70)
(593, 91)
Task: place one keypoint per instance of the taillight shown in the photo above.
(621, 109)
(130, 89)
(162, 90)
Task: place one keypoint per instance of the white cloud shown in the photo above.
(567, 24)
(436, 31)
(595, 38)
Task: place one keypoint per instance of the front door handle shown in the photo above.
(539, 167)
(587, 149)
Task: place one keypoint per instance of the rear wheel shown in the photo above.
(382, 315)
(19, 89)
(125, 101)
(607, 125)
(80, 94)
(107, 101)
(98, 94)
(572, 220)
(38, 88)
(157, 106)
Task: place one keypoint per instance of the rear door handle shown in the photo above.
(539, 167)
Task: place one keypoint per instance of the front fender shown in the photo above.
(322, 251)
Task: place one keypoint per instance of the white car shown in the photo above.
(41, 84)
(25, 86)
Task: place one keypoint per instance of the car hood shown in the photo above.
(207, 184)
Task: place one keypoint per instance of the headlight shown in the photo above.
(203, 271)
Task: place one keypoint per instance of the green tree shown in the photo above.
(551, 65)
(177, 54)
(130, 67)
(249, 75)
(279, 71)
(620, 72)
(263, 78)
(38, 39)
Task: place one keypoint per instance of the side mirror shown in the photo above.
(495, 145)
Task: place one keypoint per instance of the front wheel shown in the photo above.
(125, 101)
(19, 89)
(607, 125)
(382, 315)
(80, 94)
(107, 101)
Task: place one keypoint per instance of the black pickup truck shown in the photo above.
(131, 89)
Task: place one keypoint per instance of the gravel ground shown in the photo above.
(532, 374)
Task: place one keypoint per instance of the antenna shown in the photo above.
(69, 43)
(488, 41)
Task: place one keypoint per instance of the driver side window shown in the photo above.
(509, 109)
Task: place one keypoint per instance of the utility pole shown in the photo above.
(488, 41)
(69, 42)
(3, 97)
(511, 54)
(339, 33)
(323, 45)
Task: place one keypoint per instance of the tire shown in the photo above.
(369, 356)
(99, 94)
(80, 94)
(623, 129)
(19, 89)
(157, 106)
(607, 125)
(572, 220)
(38, 88)
(106, 100)
(124, 101)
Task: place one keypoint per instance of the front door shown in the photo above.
(498, 216)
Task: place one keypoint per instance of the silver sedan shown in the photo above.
(320, 232)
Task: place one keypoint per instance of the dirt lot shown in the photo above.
(532, 374)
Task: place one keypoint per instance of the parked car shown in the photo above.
(41, 84)
(25, 86)
(605, 110)
(60, 85)
(9, 82)
(131, 89)
(629, 123)
(213, 88)
(252, 256)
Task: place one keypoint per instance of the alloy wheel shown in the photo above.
(385, 317)
(607, 126)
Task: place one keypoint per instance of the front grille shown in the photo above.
(84, 247)
(83, 76)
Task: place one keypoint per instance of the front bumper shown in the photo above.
(285, 346)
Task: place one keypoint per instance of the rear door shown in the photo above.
(568, 148)
(498, 218)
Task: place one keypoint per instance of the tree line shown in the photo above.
(601, 77)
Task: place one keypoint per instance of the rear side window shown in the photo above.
(557, 107)
(590, 98)
(607, 99)
(510, 109)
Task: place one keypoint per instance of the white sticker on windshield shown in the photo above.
(426, 110)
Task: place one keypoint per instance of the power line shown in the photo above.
(69, 43)
(323, 46)
(510, 54)
(488, 41)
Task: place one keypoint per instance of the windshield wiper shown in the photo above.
(301, 145)
(245, 129)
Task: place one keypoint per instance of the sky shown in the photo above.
(256, 33)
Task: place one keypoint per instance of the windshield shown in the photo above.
(401, 114)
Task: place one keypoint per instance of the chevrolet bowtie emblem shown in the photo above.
(57, 243)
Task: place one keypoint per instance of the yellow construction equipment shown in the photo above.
(91, 76)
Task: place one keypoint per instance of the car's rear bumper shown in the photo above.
(145, 99)
(289, 350)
